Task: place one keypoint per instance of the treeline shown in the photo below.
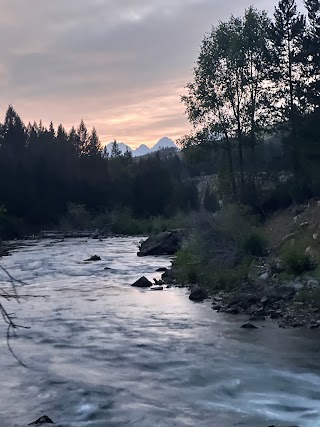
(254, 105)
(43, 170)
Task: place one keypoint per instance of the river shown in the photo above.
(101, 353)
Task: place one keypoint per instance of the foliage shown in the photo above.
(218, 250)
(295, 259)
(255, 98)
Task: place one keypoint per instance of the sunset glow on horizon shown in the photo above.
(120, 66)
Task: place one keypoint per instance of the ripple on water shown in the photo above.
(104, 354)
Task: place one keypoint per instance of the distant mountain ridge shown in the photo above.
(142, 150)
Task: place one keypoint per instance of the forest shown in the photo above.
(48, 173)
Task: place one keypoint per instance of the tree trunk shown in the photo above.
(231, 168)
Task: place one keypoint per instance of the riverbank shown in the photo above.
(291, 303)
(283, 284)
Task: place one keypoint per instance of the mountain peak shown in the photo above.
(143, 149)
(164, 142)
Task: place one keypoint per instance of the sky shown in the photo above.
(120, 65)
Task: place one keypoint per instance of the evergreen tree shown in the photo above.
(312, 52)
(83, 139)
(62, 136)
(14, 134)
(94, 148)
(52, 131)
(127, 157)
(287, 46)
(115, 150)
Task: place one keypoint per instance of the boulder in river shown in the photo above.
(166, 243)
(157, 288)
(249, 326)
(94, 258)
(197, 294)
(41, 421)
(161, 270)
(143, 282)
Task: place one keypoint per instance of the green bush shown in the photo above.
(255, 244)
(219, 248)
(295, 260)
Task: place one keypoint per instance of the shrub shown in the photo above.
(295, 259)
(218, 250)
(255, 244)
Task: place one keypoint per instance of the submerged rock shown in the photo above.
(157, 288)
(249, 326)
(41, 421)
(198, 294)
(143, 282)
(166, 243)
(161, 270)
(94, 258)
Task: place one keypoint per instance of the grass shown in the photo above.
(120, 222)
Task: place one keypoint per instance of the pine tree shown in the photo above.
(14, 134)
(83, 139)
(62, 136)
(115, 150)
(287, 46)
(52, 131)
(312, 52)
(94, 148)
(127, 157)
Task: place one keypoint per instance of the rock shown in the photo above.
(197, 294)
(143, 282)
(94, 258)
(297, 324)
(169, 286)
(304, 225)
(161, 270)
(264, 277)
(243, 301)
(158, 282)
(166, 243)
(274, 315)
(41, 421)
(276, 266)
(249, 326)
(157, 288)
(314, 326)
(313, 284)
(232, 310)
(95, 235)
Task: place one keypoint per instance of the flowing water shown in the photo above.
(101, 353)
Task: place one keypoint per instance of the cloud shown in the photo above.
(121, 65)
